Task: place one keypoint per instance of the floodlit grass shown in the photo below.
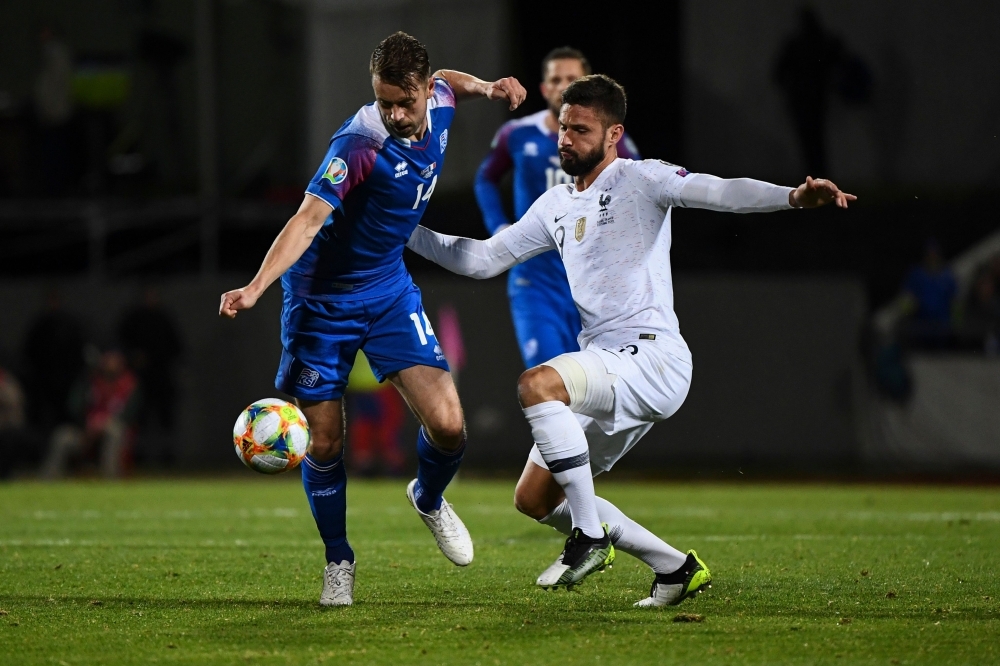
(229, 572)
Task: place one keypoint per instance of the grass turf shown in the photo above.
(229, 572)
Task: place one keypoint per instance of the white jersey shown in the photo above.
(614, 239)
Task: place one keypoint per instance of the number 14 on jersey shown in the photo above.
(421, 195)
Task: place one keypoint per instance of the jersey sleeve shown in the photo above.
(443, 95)
(528, 237)
(660, 182)
(497, 163)
(668, 185)
(348, 162)
(627, 148)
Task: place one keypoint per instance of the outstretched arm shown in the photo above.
(484, 259)
(746, 195)
(293, 240)
(465, 256)
(466, 86)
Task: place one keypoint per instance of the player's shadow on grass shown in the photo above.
(156, 603)
(389, 605)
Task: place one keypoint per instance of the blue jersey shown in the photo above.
(378, 187)
(527, 146)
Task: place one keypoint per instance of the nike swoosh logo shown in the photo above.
(556, 221)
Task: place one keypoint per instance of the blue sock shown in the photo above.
(435, 470)
(326, 489)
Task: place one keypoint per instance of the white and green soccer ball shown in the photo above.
(271, 436)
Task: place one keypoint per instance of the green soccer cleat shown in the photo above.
(582, 556)
(672, 588)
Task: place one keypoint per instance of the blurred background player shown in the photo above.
(340, 260)
(546, 321)
(375, 422)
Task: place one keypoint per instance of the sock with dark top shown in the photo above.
(435, 470)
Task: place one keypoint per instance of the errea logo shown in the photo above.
(401, 169)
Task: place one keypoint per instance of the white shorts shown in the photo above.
(628, 389)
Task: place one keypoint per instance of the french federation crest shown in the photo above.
(581, 228)
(336, 171)
(444, 140)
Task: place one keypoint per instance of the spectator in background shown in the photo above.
(54, 359)
(375, 422)
(53, 98)
(983, 308)
(931, 290)
(812, 65)
(152, 344)
(104, 405)
(804, 71)
(13, 431)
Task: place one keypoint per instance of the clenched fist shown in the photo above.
(236, 300)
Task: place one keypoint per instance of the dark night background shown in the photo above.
(194, 126)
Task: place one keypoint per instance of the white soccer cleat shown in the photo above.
(338, 584)
(686, 583)
(662, 595)
(448, 529)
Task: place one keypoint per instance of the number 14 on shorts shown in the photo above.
(424, 330)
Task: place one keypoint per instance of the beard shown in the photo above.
(574, 164)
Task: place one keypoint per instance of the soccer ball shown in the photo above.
(271, 436)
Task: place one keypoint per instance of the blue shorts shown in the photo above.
(321, 339)
(546, 325)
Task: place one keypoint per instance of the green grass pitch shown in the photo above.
(229, 572)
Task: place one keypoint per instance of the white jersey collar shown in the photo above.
(598, 183)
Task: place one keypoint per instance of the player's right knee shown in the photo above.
(540, 384)
(588, 385)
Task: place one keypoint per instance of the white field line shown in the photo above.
(422, 541)
(647, 513)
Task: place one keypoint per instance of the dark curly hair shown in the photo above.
(602, 94)
(401, 60)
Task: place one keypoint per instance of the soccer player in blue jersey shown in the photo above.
(546, 321)
(340, 260)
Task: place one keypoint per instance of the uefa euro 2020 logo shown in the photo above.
(336, 171)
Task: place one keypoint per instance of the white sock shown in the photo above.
(563, 446)
(626, 534)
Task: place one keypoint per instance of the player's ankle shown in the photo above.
(679, 574)
(337, 553)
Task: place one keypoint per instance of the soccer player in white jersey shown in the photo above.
(588, 408)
